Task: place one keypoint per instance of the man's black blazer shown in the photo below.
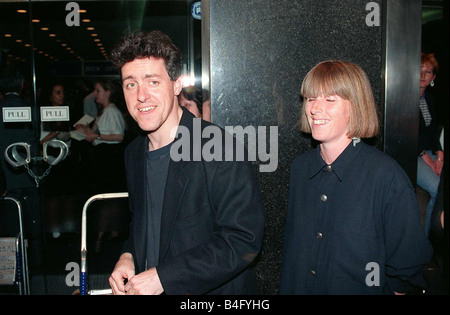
(212, 221)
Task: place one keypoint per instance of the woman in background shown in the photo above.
(59, 130)
(430, 160)
(106, 159)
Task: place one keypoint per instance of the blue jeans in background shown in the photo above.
(428, 181)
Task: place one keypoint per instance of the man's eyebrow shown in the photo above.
(147, 76)
(128, 77)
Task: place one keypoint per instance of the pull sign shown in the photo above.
(16, 114)
(196, 10)
(55, 113)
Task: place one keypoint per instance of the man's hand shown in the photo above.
(145, 283)
(124, 270)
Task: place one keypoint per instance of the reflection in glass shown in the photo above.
(55, 45)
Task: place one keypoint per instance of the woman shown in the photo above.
(59, 129)
(353, 220)
(58, 185)
(58, 181)
(430, 158)
(106, 159)
(109, 127)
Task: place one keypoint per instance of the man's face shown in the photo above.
(150, 95)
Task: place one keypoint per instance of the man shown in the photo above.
(196, 226)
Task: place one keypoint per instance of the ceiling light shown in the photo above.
(90, 28)
(21, 11)
(52, 35)
(85, 20)
(35, 20)
(82, 11)
(18, 40)
(97, 40)
(64, 45)
(44, 28)
(94, 34)
(8, 35)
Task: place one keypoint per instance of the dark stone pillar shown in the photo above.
(260, 51)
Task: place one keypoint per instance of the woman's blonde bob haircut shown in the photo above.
(350, 82)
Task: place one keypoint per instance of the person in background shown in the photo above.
(192, 98)
(58, 185)
(106, 136)
(89, 105)
(353, 222)
(430, 160)
(106, 165)
(59, 130)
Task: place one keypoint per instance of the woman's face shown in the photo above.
(101, 95)
(190, 105)
(57, 97)
(329, 118)
(426, 75)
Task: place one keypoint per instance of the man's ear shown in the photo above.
(177, 86)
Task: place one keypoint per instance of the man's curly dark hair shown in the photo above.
(153, 44)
